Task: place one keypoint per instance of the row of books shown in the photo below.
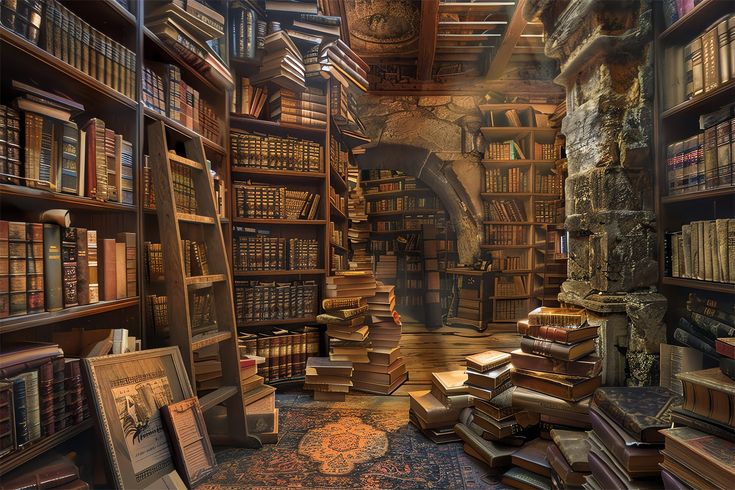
(261, 414)
(338, 200)
(708, 58)
(306, 108)
(258, 252)
(703, 161)
(506, 235)
(418, 222)
(46, 267)
(196, 262)
(512, 285)
(247, 99)
(338, 157)
(335, 234)
(286, 351)
(201, 313)
(384, 187)
(274, 202)
(467, 307)
(23, 18)
(548, 184)
(10, 143)
(41, 396)
(548, 211)
(275, 152)
(257, 301)
(703, 250)
(675, 10)
(165, 92)
(504, 210)
(505, 150)
(506, 180)
(246, 32)
(509, 310)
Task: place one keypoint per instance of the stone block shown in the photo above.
(643, 369)
(607, 189)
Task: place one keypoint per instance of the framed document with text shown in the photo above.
(127, 392)
(193, 453)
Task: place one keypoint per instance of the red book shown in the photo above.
(726, 346)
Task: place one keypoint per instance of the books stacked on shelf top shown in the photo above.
(625, 441)
(282, 64)
(207, 368)
(707, 329)
(330, 380)
(707, 59)
(259, 400)
(341, 63)
(345, 284)
(703, 250)
(248, 100)
(308, 108)
(386, 269)
(436, 412)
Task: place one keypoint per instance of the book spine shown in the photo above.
(69, 262)
(52, 265)
(82, 267)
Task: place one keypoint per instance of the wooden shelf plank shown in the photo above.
(694, 21)
(694, 196)
(14, 323)
(276, 221)
(518, 162)
(37, 448)
(339, 247)
(200, 341)
(511, 132)
(280, 174)
(217, 396)
(336, 178)
(286, 321)
(184, 131)
(238, 121)
(373, 195)
(294, 272)
(718, 287)
(703, 103)
(335, 211)
(210, 278)
(195, 218)
(25, 195)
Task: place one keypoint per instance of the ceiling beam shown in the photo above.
(510, 39)
(427, 38)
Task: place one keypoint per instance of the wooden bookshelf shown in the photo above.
(677, 118)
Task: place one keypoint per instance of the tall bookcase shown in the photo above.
(687, 190)
(523, 199)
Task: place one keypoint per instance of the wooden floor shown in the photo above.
(428, 350)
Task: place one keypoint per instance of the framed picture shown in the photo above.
(194, 456)
(127, 392)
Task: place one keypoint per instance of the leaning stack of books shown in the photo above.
(625, 440)
(330, 380)
(308, 108)
(530, 468)
(387, 268)
(555, 371)
(704, 329)
(282, 64)
(436, 412)
(259, 400)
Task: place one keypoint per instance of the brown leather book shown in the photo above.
(450, 382)
(497, 430)
(604, 471)
(485, 361)
(587, 366)
(532, 457)
(490, 379)
(487, 395)
(496, 455)
(526, 480)
(709, 393)
(53, 475)
(570, 388)
(499, 408)
(686, 477)
(26, 356)
(575, 447)
(82, 267)
(107, 264)
(120, 271)
(556, 350)
(707, 455)
(431, 410)
(562, 467)
(558, 334)
(560, 317)
(541, 403)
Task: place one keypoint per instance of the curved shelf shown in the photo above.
(718, 287)
(706, 194)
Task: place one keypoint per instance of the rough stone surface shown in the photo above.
(643, 369)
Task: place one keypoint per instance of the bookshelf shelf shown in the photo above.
(717, 287)
(511, 132)
(238, 121)
(373, 195)
(23, 47)
(15, 323)
(508, 223)
(403, 212)
(694, 196)
(109, 12)
(27, 196)
(285, 321)
(496, 195)
(292, 272)
(336, 212)
(336, 178)
(290, 175)
(183, 130)
(518, 162)
(505, 106)
(701, 104)
(339, 247)
(697, 19)
(41, 446)
(264, 221)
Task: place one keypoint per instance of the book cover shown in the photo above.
(569, 388)
(574, 446)
(487, 360)
(82, 267)
(107, 264)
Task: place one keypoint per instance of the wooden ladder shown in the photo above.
(178, 285)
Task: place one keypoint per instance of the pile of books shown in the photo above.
(708, 329)
(386, 269)
(435, 412)
(207, 368)
(308, 108)
(303, 21)
(698, 450)
(568, 457)
(341, 63)
(261, 414)
(358, 235)
(625, 441)
(467, 309)
(57, 473)
(330, 380)
(282, 64)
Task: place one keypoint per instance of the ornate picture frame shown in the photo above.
(126, 392)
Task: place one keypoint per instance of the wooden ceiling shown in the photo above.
(430, 45)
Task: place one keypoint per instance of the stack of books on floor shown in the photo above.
(329, 380)
(359, 236)
(568, 457)
(282, 64)
(207, 368)
(625, 440)
(435, 412)
(386, 269)
(259, 400)
(698, 451)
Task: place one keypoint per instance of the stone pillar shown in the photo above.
(605, 52)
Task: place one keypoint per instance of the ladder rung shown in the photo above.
(217, 396)
(195, 218)
(208, 339)
(185, 161)
(205, 279)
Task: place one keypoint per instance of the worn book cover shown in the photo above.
(588, 366)
(562, 468)
(569, 388)
(485, 361)
(532, 457)
(557, 350)
(450, 382)
(517, 477)
(574, 446)
(708, 455)
(489, 380)
(710, 393)
(560, 317)
(495, 454)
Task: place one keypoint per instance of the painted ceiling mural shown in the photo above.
(383, 26)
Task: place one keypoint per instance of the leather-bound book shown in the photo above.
(532, 457)
(562, 467)
(556, 350)
(485, 361)
(120, 271)
(489, 380)
(575, 447)
(485, 394)
(450, 382)
(541, 403)
(565, 423)
(557, 334)
(558, 317)
(25, 356)
(431, 410)
(686, 418)
(517, 477)
(709, 393)
(671, 482)
(497, 430)
(93, 267)
(34, 268)
(496, 455)
(17, 267)
(54, 475)
(82, 267)
(107, 265)
(53, 282)
(569, 388)
(710, 456)
(604, 472)
(131, 266)
(499, 408)
(641, 411)
(69, 265)
(4, 271)
(636, 459)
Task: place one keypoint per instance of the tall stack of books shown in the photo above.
(282, 64)
(707, 328)
(386, 269)
(625, 440)
(330, 380)
(436, 412)
(259, 400)
(308, 108)
(698, 450)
